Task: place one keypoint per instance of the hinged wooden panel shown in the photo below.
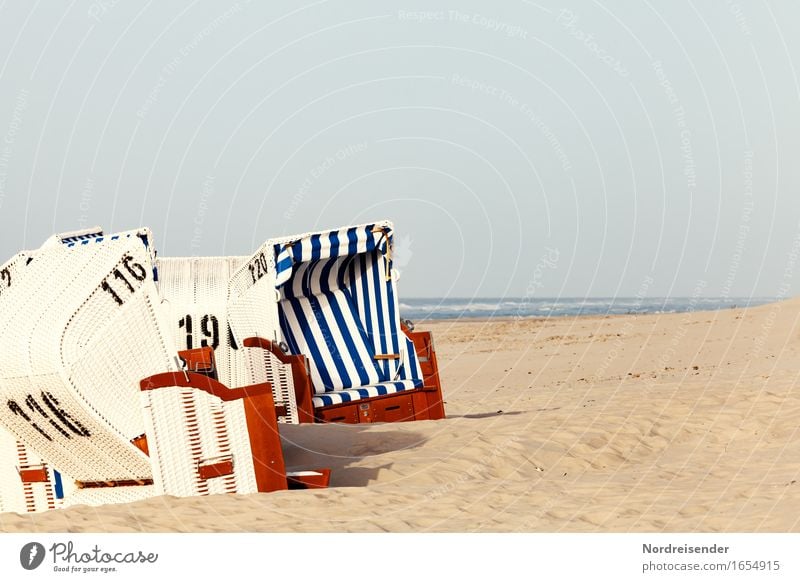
(420, 400)
(396, 409)
(347, 414)
(426, 354)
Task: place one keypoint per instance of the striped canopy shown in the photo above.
(338, 306)
(71, 242)
(347, 241)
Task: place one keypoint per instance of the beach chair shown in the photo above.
(333, 302)
(71, 347)
(195, 292)
(27, 483)
(83, 328)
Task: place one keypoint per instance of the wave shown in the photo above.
(450, 308)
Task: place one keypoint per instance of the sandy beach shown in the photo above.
(648, 423)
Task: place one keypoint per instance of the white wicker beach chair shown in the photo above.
(196, 293)
(27, 483)
(80, 330)
(87, 325)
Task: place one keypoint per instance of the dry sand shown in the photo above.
(680, 422)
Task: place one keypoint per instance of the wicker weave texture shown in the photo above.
(82, 323)
(82, 329)
(189, 428)
(197, 292)
(195, 295)
(262, 366)
(19, 497)
(252, 299)
(15, 495)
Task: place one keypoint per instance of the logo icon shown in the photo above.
(31, 555)
(403, 252)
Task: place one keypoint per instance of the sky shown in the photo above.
(522, 149)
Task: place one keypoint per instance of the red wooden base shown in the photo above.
(397, 407)
(432, 385)
(424, 403)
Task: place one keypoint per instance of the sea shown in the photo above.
(460, 308)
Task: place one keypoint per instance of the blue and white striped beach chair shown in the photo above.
(337, 305)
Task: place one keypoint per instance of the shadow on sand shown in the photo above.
(341, 446)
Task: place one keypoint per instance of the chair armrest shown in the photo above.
(270, 346)
(201, 382)
(302, 380)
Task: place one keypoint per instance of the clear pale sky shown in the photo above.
(548, 149)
